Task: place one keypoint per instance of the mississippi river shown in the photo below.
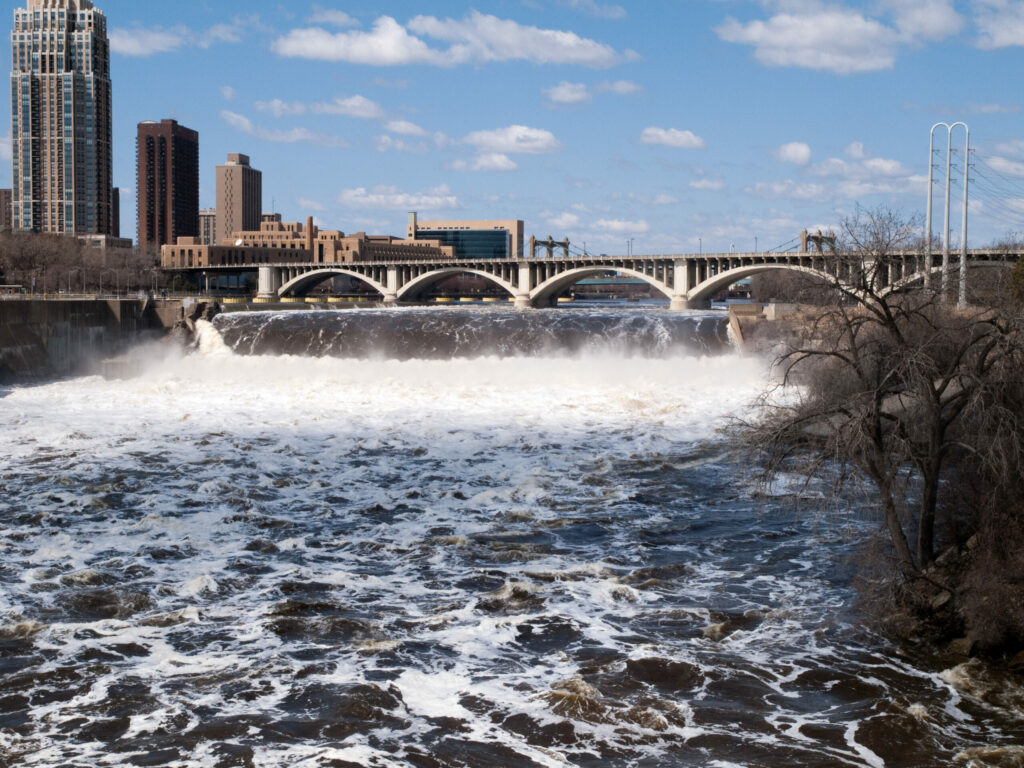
(446, 537)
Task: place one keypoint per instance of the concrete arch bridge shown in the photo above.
(688, 281)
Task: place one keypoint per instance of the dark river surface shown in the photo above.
(443, 537)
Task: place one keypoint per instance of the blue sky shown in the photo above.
(682, 124)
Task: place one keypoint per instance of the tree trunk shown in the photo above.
(926, 525)
(896, 533)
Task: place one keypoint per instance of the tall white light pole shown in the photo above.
(928, 216)
(962, 299)
(946, 225)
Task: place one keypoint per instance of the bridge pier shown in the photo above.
(523, 302)
(680, 303)
(269, 283)
(390, 299)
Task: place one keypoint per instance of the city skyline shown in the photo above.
(685, 126)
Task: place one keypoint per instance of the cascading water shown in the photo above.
(444, 334)
(416, 538)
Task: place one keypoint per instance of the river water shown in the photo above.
(443, 538)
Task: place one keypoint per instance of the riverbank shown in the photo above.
(42, 339)
(965, 599)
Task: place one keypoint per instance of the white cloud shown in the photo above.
(833, 39)
(1000, 23)
(489, 161)
(564, 222)
(389, 144)
(279, 108)
(482, 38)
(354, 106)
(404, 128)
(664, 200)
(516, 139)
(392, 199)
(578, 93)
(618, 226)
(5, 149)
(672, 137)
(1013, 147)
(146, 42)
(593, 8)
(143, 42)
(1006, 167)
(788, 189)
(860, 166)
(388, 44)
(478, 38)
(813, 34)
(796, 152)
(994, 109)
(834, 166)
(568, 93)
(619, 87)
(922, 20)
(228, 92)
(310, 205)
(880, 166)
(337, 18)
(293, 136)
(856, 151)
(856, 188)
(713, 185)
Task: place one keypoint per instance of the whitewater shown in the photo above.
(443, 538)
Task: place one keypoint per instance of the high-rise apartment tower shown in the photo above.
(167, 176)
(239, 197)
(61, 119)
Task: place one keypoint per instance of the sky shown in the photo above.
(662, 126)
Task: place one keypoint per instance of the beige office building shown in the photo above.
(208, 226)
(277, 242)
(239, 197)
(472, 240)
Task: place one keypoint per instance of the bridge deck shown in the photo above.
(975, 254)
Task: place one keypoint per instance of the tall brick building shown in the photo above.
(239, 197)
(167, 178)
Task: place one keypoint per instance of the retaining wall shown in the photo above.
(42, 339)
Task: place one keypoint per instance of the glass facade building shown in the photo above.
(61, 163)
(472, 244)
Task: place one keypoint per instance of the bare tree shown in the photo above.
(895, 386)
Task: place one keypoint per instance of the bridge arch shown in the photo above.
(706, 290)
(305, 282)
(544, 293)
(417, 285)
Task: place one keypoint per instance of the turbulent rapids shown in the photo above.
(411, 538)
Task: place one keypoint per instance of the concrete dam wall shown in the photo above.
(44, 339)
